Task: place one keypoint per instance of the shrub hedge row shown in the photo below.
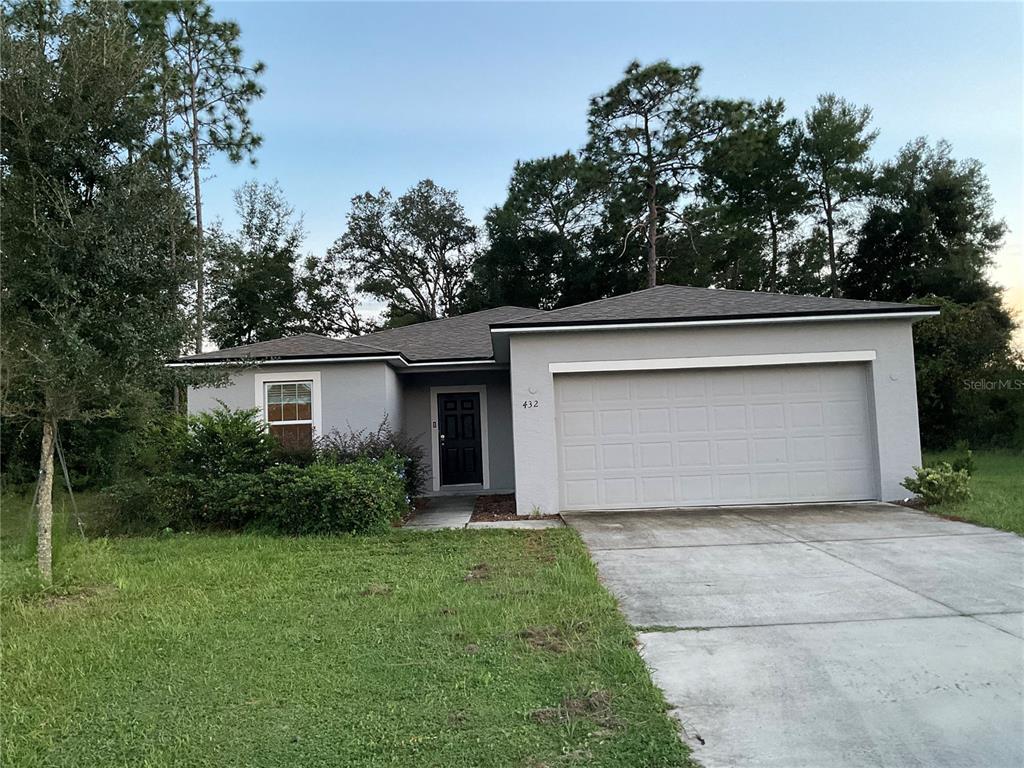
(219, 471)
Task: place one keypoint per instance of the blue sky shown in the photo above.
(363, 96)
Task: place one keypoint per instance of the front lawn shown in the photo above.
(997, 488)
(468, 648)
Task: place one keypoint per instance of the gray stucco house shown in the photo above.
(667, 397)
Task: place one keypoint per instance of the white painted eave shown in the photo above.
(722, 321)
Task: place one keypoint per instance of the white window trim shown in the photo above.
(435, 456)
(262, 379)
(725, 361)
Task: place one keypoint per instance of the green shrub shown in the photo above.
(939, 484)
(344, 447)
(362, 496)
(964, 459)
(154, 503)
(220, 442)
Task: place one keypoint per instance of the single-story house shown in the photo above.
(668, 397)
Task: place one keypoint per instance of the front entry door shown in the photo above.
(458, 437)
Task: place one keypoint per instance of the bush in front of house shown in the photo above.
(366, 495)
(343, 447)
(219, 442)
(361, 496)
(939, 484)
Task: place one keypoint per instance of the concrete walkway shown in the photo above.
(450, 512)
(836, 635)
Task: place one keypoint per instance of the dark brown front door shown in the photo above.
(458, 436)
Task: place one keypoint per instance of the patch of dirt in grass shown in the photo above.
(472, 649)
(491, 508)
(79, 597)
(447, 611)
(479, 572)
(376, 590)
(595, 706)
(458, 718)
(551, 638)
(538, 546)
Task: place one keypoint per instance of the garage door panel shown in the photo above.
(771, 450)
(615, 457)
(616, 423)
(681, 438)
(692, 419)
(656, 455)
(730, 417)
(578, 424)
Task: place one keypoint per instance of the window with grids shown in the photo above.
(290, 413)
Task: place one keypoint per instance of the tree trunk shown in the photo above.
(773, 270)
(200, 266)
(44, 503)
(830, 228)
(652, 235)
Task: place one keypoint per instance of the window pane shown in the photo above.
(290, 401)
(294, 436)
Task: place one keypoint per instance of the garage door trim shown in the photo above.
(725, 361)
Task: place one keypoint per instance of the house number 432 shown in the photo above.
(531, 403)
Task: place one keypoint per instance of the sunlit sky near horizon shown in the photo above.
(363, 96)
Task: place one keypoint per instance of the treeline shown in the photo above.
(112, 111)
(673, 186)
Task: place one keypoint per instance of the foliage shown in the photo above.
(539, 239)
(930, 230)
(963, 458)
(752, 174)
(91, 293)
(328, 306)
(343, 447)
(218, 442)
(997, 494)
(253, 288)
(648, 135)
(362, 496)
(412, 252)
(205, 91)
(189, 611)
(939, 484)
(834, 144)
(970, 384)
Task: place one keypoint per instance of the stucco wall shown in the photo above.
(416, 417)
(354, 395)
(892, 377)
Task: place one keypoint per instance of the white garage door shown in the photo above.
(715, 436)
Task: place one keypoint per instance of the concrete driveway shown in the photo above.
(834, 635)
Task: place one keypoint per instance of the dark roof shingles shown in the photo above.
(304, 345)
(677, 302)
(463, 337)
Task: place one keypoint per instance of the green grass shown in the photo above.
(206, 650)
(997, 490)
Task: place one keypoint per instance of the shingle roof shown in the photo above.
(683, 303)
(465, 337)
(468, 337)
(305, 345)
